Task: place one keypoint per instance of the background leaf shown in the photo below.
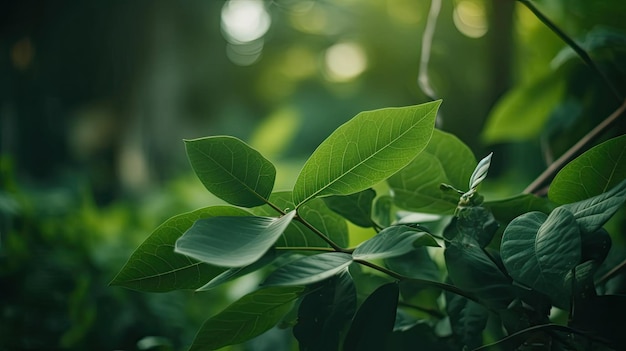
(246, 318)
(393, 241)
(232, 241)
(309, 269)
(231, 170)
(592, 173)
(357, 208)
(447, 160)
(366, 150)
(539, 251)
(155, 267)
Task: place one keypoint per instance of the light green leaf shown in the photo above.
(591, 214)
(539, 251)
(480, 173)
(357, 208)
(366, 150)
(246, 318)
(155, 267)
(393, 241)
(231, 170)
(309, 269)
(592, 173)
(447, 160)
(234, 273)
(522, 112)
(232, 241)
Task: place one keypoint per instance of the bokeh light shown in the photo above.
(244, 21)
(470, 18)
(345, 61)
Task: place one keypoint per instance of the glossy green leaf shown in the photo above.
(447, 160)
(316, 213)
(591, 214)
(231, 170)
(468, 319)
(365, 151)
(232, 241)
(155, 267)
(522, 112)
(234, 273)
(246, 318)
(357, 208)
(393, 241)
(592, 173)
(374, 320)
(309, 269)
(324, 313)
(539, 251)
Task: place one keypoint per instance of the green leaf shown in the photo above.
(234, 273)
(468, 319)
(365, 151)
(246, 318)
(476, 223)
(155, 267)
(324, 313)
(393, 241)
(232, 241)
(446, 160)
(382, 210)
(522, 112)
(374, 320)
(539, 251)
(316, 213)
(592, 173)
(591, 214)
(231, 170)
(357, 208)
(309, 269)
(506, 210)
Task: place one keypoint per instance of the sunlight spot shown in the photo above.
(244, 54)
(470, 18)
(345, 61)
(244, 21)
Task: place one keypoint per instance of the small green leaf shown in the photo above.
(234, 273)
(232, 241)
(480, 172)
(468, 319)
(357, 208)
(393, 241)
(476, 223)
(382, 210)
(309, 269)
(155, 267)
(246, 318)
(446, 160)
(591, 214)
(539, 251)
(232, 170)
(365, 151)
(374, 320)
(592, 173)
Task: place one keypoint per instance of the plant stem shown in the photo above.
(321, 235)
(572, 44)
(556, 166)
(610, 274)
(430, 311)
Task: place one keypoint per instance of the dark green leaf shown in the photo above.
(591, 214)
(592, 173)
(154, 266)
(234, 273)
(539, 250)
(476, 223)
(309, 269)
(365, 151)
(232, 241)
(447, 160)
(246, 318)
(357, 208)
(595, 245)
(468, 320)
(382, 210)
(393, 241)
(416, 263)
(506, 209)
(374, 320)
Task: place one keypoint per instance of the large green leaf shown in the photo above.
(246, 318)
(374, 320)
(155, 267)
(232, 241)
(393, 241)
(592, 173)
(539, 251)
(236, 272)
(522, 112)
(323, 314)
(468, 319)
(231, 170)
(357, 208)
(591, 214)
(447, 160)
(366, 150)
(309, 269)
(316, 213)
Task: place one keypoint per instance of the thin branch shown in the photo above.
(572, 44)
(423, 80)
(556, 166)
(430, 311)
(321, 235)
(610, 274)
